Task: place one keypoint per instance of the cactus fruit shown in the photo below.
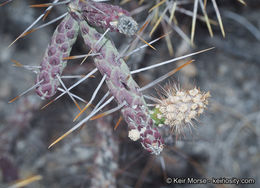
(178, 108)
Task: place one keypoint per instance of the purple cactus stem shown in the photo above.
(122, 86)
(53, 64)
(105, 16)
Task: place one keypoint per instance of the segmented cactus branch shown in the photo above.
(106, 16)
(53, 63)
(121, 85)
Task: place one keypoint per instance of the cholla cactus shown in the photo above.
(121, 85)
(87, 15)
(53, 61)
(178, 108)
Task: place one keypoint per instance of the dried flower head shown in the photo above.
(178, 108)
(127, 25)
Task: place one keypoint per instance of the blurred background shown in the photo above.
(224, 143)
